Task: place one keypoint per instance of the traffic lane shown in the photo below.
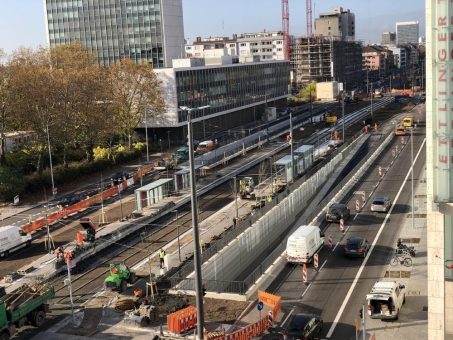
(373, 272)
(291, 287)
(330, 285)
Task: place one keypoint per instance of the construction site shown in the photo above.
(323, 59)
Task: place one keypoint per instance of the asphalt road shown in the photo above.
(329, 290)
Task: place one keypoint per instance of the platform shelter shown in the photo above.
(152, 193)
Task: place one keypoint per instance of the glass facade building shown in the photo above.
(142, 30)
(228, 87)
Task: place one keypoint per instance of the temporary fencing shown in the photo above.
(257, 328)
(86, 203)
(182, 320)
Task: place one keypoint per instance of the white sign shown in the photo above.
(440, 84)
(16, 200)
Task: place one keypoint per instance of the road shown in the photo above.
(338, 291)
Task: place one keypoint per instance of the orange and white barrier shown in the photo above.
(182, 320)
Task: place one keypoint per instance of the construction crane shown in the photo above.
(285, 28)
(309, 18)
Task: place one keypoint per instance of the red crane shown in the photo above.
(309, 18)
(285, 28)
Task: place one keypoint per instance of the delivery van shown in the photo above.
(385, 300)
(400, 130)
(206, 146)
(303, 244)
(12, 238)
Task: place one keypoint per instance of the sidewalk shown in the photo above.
(413, 319)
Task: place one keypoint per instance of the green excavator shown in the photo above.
(120, 275)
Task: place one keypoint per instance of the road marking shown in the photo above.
(325, 261)
(336, 245)
(357, 214)
(356, 279)
(286, 319)
(306, 290)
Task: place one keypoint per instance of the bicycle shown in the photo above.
(403, 259)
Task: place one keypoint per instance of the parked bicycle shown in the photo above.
(403, 259)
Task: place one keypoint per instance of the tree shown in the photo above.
(135, 90)
(6, 116)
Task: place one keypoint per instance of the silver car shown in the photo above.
(381, 204)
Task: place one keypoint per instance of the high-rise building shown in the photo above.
(407, 32)
(388, 38)
(142, 30)
(339, 23)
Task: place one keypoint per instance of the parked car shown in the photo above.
(119, 177)
(304, 326)
(381, 204)
(67, 201)
(356, 246)
(386, 299)
(336, 212)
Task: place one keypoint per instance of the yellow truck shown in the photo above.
(408, 121)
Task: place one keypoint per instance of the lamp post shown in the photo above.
(412, 176)
(146, 136)
(342, 117)
(291, 143)
(50, 160)
(195, 230)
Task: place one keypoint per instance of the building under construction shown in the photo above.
(319, 59)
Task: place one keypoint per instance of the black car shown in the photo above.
(119, 177)
(336, 212)
(304, 326)
(356, 246)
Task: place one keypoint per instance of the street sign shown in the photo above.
(260, 305)
(16, 200)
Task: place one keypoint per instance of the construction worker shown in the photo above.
(161, 257)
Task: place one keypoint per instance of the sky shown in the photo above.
(22, 21)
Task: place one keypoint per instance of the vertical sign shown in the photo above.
(440, 86)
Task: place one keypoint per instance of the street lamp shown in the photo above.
(412, 176)
(50, 160)
(146, 137)
(195, 229)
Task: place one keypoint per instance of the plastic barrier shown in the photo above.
(182, 320)
(256, 328)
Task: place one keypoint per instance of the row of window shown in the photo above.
(133, 5)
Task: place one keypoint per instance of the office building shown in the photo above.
(388, 39)
(439, 166)
(142, 30)
(230, 94)
(322, 59)
(265, 45)
(407, 32)
(338, 23)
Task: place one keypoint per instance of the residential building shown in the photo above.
(323, 59)
(439, 168)
(15, 140)
(200, 45)
(339, 23)
(266, 45)
(142, 30)
(399, 57)
(407, 32)
(388, 39)
(231, 95)
(377, 61)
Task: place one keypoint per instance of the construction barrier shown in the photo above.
(182, 320)
(256, 328)
(86, 203)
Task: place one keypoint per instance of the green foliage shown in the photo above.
(21, 160)
(11, 183)
(140, 146)
(101, 153)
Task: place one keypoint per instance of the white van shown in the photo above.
(386, 299)
(304, 243)
(11, 239)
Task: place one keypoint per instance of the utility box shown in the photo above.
(327, 90)
(270, 114)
